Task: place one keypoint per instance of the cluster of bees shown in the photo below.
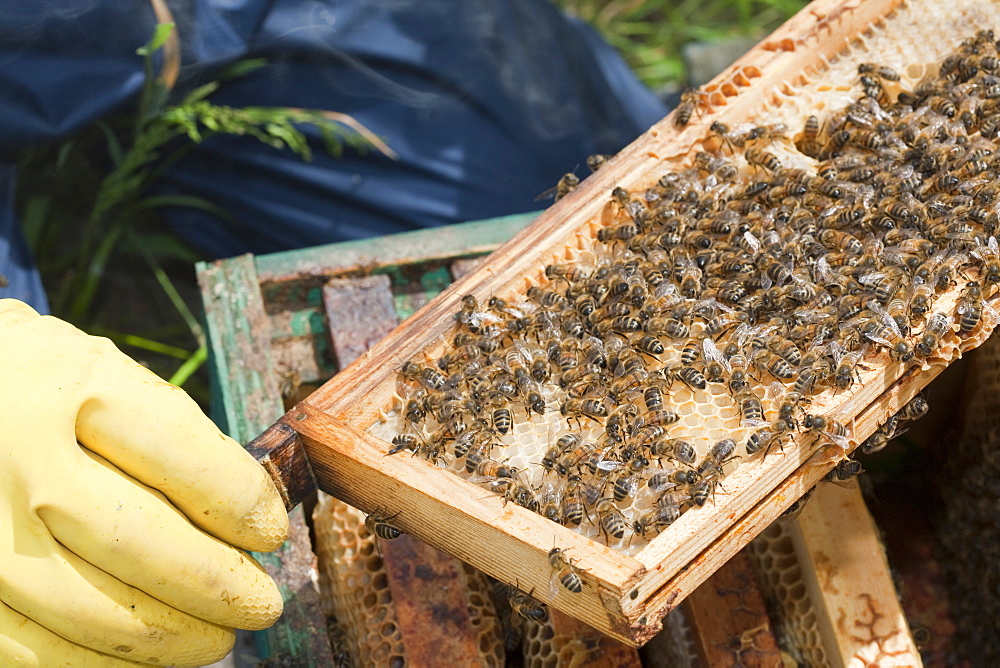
(772, 270)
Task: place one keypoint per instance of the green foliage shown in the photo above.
(87, 214)
(650, 33)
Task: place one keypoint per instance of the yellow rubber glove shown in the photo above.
(121, 548)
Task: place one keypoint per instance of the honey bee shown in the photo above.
(525, 605)
(425, 375)
(971, 307)
(565, 272)
(914, 409)
(832, 429)
(938, 324)
(689, 103)
(669, 327)
(611, 520)
(379, 525)
(564, 572)
(844, 471)
(656, 519)
(573, 508)
(751, 409)
(760, 158)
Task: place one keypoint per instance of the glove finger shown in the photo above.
(47, 583)
(25, 643)
(13, 310)
(132, 532)
(157, 434)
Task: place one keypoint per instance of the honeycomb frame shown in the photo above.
(624, 596)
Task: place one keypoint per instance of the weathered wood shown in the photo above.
(366, 255)
(239, 340)
(847, 573)
(359, 312)
(729, 619)
(430, 593)
(281, 453)
(430, 596)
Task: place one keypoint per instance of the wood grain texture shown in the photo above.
(847, 574)
(729, 620)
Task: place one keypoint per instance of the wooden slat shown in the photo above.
(431, 598)
(429, 588)
(247, 401)
(847, 574)
(348, 465)
(729, 619)
(359, 312)
(396, 249)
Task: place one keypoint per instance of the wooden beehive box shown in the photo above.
(807, 65)
(275, 321)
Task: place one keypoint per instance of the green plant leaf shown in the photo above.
(160, 35)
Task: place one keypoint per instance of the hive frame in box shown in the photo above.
(622, 596)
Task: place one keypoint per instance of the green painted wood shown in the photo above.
(253, 304)
(405, 248)
(239, 337)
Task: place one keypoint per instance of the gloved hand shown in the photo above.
(120, 547)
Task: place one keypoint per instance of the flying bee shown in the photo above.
(832, 429)
(525, 605)
(610, 518)
(379, 525)
(938, 324)
(567, 183)
(564, 572)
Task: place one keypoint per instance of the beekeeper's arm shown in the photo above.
(120, 504)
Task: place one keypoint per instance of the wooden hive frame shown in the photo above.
(623, 596)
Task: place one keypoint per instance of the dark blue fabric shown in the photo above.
(486, 102)
(16, 269)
